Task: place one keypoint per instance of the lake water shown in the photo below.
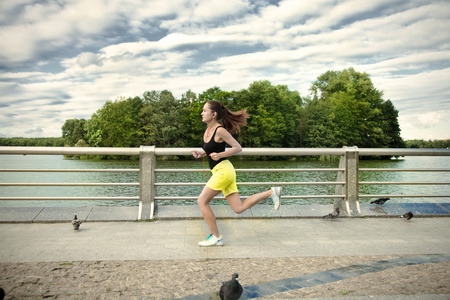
(60, 162)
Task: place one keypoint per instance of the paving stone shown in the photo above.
(226, 212)
(423, 208)
(445, 206)
(19, 214)
(113, 214)
(99, 244)
(267, 211)
(314, 210)
(388, 209)
(62, 214)
(319, 278)
(178, 212)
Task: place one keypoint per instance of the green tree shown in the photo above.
(162, 119)
(351, 112)
(274, 115)
(391, 126)
(39, 142)
(320, 127)
(192, 120)
(94, 130)
(437, 144)
(73, 130)
(116, 124)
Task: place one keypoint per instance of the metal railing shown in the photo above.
(347, 184)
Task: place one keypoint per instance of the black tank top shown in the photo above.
(211, 147)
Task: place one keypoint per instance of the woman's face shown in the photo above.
(207, 114)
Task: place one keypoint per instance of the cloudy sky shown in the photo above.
(63, 59)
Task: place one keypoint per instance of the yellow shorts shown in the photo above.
(223, 178)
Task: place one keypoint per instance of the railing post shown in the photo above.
(350, 163)
(146, 182)
(353, 180)
(340, 189)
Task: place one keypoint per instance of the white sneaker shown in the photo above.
(276, 195)
(211, 240)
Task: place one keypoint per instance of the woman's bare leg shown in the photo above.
(239, 207)
(208, 215)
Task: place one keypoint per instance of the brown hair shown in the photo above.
(232, 121)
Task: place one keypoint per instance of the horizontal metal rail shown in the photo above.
(258, 151)
(402, 170)
(255, 170)
(401, 183)
(245, 152)
(70, 151)
(403, 196)
(70, 170)
(245, 197)
(69, 198)
(73, 184)
(171, 170)
(273, 183)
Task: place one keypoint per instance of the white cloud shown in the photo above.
(411, 93)
(70, 57)
(205, 11)
(36, 130)
(44, 28)
(88, 58)
(427, 125)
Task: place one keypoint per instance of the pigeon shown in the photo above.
(76, 223)
(408, 216)
(2, 294)
(333, 215)
(231, 290)
(380, 201)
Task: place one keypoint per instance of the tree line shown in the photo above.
(59, 142)
(32, 142)
(343, 109)
(433, 144)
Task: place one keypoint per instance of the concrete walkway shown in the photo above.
(177, 239)
(270, 237)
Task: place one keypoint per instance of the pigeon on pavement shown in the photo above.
(76, 223)
(332, 215)
(408, 216)
(231, 290)
(379, 201)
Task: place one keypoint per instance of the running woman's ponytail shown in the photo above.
(232, 121)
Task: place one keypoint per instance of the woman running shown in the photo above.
(221, 124)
